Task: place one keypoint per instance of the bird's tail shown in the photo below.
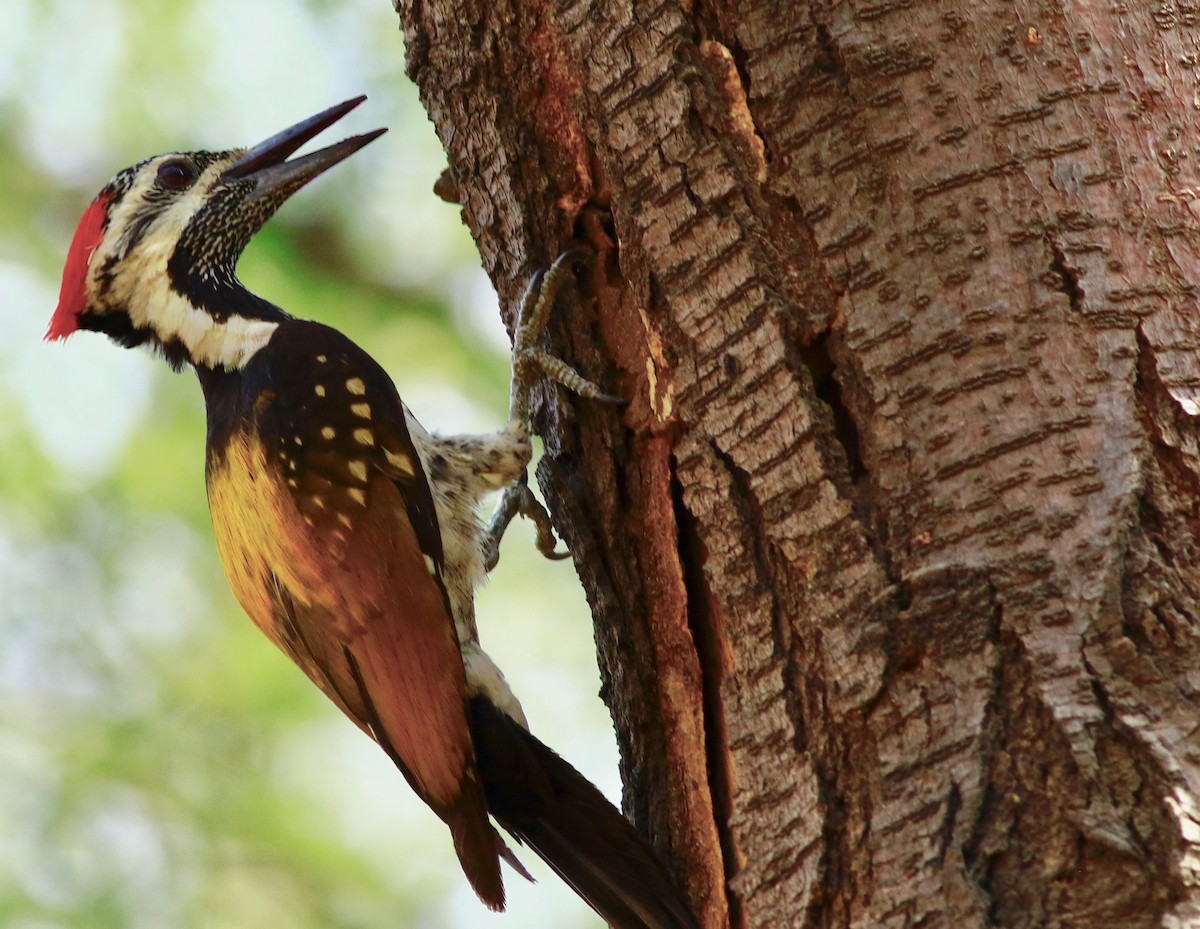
(549, 806)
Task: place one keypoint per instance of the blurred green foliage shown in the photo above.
(161, 765)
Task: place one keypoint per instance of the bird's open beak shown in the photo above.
(266, 163)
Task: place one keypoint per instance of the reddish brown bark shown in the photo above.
(893, 554)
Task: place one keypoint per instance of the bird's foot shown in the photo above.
(519, 499)
(529, 364)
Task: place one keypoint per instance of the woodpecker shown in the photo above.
(349, 533)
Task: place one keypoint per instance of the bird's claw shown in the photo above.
(547, 543)
(519, 499)
(529, 365)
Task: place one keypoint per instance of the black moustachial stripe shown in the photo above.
(117, 326)
(120, 328)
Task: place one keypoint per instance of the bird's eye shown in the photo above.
(175, 175)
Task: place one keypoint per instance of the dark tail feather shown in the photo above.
(548, 805)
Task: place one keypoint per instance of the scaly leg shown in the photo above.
(529, 365)
(529, 362)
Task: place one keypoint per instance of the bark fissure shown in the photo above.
(763, 561)
(709, 632)
(1123, 747)
(953, 804)
(980, 844)
(833, 872)
(816, 357)
(828, 59)
(1067, 277)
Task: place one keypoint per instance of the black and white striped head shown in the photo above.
(153, 258)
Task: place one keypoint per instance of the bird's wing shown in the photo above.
(326, 524)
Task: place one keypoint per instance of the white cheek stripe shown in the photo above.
(142, 287)
(153, 304)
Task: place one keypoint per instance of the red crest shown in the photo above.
(72, 298)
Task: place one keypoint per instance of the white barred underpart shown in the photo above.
(473, 467)
(141, 285)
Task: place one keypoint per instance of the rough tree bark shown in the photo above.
(893, 554)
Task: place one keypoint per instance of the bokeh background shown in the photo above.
(161, 765)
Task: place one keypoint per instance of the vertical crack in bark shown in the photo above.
(828, 59)
(946, 836)
(1168, 886)
(834, 870)
(1067, 277)
(1157, 606)
(712, 28)
(978, 859)
(849, 472)
(712, 649)
(1158, 410)
(827, 905)
(750, 515)
(817, 359)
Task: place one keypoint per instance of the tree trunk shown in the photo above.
(893, 554)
